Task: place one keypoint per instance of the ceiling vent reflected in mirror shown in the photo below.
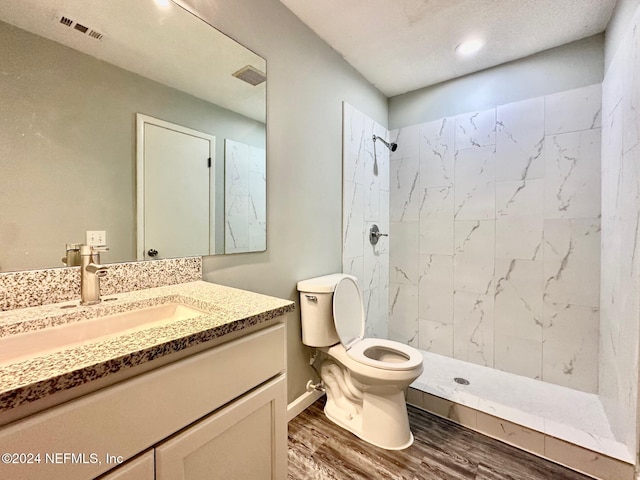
(79, 27)
(251, 75)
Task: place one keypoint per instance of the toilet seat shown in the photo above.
(358, 352)
(349, 318)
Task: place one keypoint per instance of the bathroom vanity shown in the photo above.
(183, 398)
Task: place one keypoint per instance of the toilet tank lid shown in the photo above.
(324, 284)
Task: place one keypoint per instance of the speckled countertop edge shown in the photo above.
(229, 310)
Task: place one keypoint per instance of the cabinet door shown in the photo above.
(247, 440)
(140, 468)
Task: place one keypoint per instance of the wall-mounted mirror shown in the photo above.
(75, 75)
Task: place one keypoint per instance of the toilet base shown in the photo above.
(376, 414)
(362, 435)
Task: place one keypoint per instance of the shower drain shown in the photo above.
(461, 381)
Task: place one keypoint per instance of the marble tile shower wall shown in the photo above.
(495, 237)
(245, 194)
(620, 283)
(365, 202)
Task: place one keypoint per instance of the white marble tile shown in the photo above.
(371, 189)
(436, 238)
(236, 237)
(236, 162)
(354, 266)
(523, 401)
(403, 265)
(382, 159)
(353, 220)
(570, 346)
(365, 203)
(572, 261)
(518, 355)
(573, 110)
(383, 296)
(518, 317)
(511, 433)
(629, 214)
(436, 221)
(475, 129)
(519, 198)
(586, 440)
(437, 153)
(611, 163)
(520, 140)
(631, 89)
(415, 397)
(236, 196)
(620, 285)
(353, 144)
(437, 205)
(473, 326)
(257, 160)
(585, 460)
(474, 257)
(404, 188)
(408, 140)
(436, 288)
(436, 337)
(372, 325)
(383, 220)
(454, 411)
(519, 221)
(373, 161)
(372, 267)
(403, 313)
(257, 200)
(507, 406)
(518, 297)
(475, 184)
(572, 175)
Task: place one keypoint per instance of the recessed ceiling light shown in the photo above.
(469, 46)
(163, 3)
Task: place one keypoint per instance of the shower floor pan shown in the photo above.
(535, 416)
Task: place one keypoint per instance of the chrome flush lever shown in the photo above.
(374, 234)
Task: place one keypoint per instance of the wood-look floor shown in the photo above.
(442, 450)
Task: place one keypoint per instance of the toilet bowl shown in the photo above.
(364, 378)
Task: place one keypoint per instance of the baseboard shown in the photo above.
(301, 403)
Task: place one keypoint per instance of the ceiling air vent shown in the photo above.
(79, 27)
(251, 75)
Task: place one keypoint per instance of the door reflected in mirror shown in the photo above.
(75, 74)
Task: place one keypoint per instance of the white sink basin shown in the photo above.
(35, 343)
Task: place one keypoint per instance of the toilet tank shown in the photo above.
(316, 310)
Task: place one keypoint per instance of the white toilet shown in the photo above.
(364, 378)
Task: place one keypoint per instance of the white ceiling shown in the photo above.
(403, 45)
(169, 45)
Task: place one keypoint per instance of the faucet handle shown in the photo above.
(101, 248)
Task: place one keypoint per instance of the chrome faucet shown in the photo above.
(90, 273)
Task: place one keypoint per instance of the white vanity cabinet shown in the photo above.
(220, 413)
(242, 442)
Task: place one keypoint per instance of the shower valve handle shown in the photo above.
(374, 234)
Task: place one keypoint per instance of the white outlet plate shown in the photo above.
(96, 238)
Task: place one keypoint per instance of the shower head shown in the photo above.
(391, 146)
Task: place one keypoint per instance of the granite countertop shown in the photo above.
(30, 379)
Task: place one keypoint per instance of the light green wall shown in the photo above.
(306, 84)
(576, 64)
